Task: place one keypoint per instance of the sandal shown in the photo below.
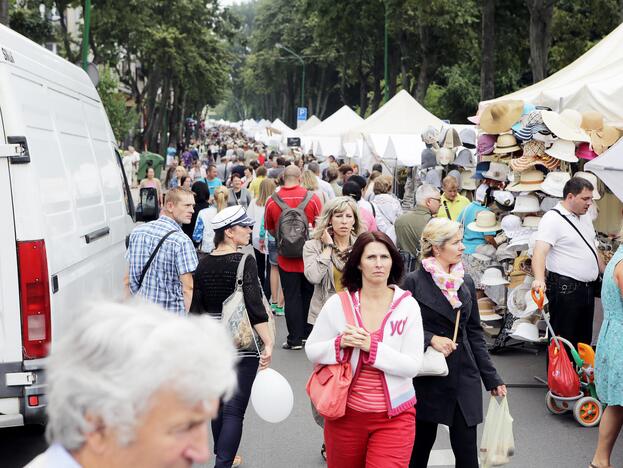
(237, 461)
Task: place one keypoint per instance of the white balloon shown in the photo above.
(272, 396)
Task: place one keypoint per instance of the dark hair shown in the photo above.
(377, 167)
(351, 275)
(201, 191)
(183, 179)
(344, 168)
(235, 175)
(254, 164)
(211, 166)
(352, 189)
(219, 236)
(331, 174)
(281, 161)
(261, 171)
(575, 186)
(360, 180)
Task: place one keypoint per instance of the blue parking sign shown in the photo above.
(301, 113)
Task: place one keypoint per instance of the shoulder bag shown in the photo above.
(151, 259)
(329, 383)
(434, 363)
(597, 282)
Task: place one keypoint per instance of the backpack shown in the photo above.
(292, 228)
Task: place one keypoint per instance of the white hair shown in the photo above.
(424, 192)
(116, 356)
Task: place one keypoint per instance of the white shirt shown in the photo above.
(54, 457)
(387, 209)
(326, 188)
(569, 254)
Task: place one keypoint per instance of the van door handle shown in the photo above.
(99, 233)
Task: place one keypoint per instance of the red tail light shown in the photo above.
(34, 288)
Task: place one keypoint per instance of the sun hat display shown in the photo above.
(486, 250)
(531, 222)
(525, 162)
(563, 150)
(503, 199)
(548, 203)
(468, 138)
(429, 158)
(547, 139)
(449, 138)
(430, 135)
(464, 158)
(497, 171)
(521, 241)
(457, 176)
(566, 125)
(527, 204)
(481, 168)
(529, 131)
(481, 193)
(516, 301)
(524, 331)
(506, 143)
(231, 216)
(529, 181)
(592, 120)
(528, 109)
(433, 177)
(486, 143)
(584, 151)
(511, 225)
(492, 277)
(445, 156)
(467, 180)
(554, 183)
(603, 139)
(505, 253)
(592, 179)
(500, 116)
(486, 309)
(485, 222)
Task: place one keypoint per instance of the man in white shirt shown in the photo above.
(565, 247)
(323, 185)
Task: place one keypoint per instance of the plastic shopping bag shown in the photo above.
(562, 379)
(498, 442)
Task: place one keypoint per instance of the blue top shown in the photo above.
(213, 184)
(176, 257)
(472, 239)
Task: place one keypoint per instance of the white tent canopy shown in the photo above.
(609, 168)
(592, 82)
(309, 124)
(326, 137)
(280, 127)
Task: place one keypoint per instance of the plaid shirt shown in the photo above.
(176, 257)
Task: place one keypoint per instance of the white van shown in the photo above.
(66, 212)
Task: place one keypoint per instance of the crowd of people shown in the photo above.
(316, 238)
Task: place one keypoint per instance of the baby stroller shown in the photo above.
(148, 208)
(586, 407)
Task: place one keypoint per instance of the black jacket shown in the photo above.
(437, 397)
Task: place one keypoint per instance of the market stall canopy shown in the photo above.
(592, 82)
(326, 137)
(309, 124)
(609, 168)
(279, 127)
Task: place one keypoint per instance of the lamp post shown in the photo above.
(85, 34)
(281, 46)
(386, 53)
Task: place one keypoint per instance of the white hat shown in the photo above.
(530, 304)
(467, 181)
(565, 125)
(511, 225)
(548, 203)
(554, 183)
(527, 204)
(531, 222)
(516, 302)
(445, 155)
(433, 177)
(563, 150)
(485, 222)
(504, 198)
(497, 171)
(529, 181)
(522, 240)
(486, 309)
(592, 179)
(231, 216)
(481, 192)
(464, 158)
(524, 330)
(504, 252)
(486, 250)
(492, 277)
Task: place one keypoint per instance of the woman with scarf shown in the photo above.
(444, 291)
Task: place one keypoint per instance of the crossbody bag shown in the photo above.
(151, 258)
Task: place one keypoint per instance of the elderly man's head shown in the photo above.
(450, 187)
(428, 197)
(133, 385)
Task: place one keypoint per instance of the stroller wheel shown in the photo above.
(553, 406)
(588, 411)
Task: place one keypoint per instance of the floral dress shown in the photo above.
(608, 359)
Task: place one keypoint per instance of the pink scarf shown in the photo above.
(449, 283)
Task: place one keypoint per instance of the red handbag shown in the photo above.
(562, 379)
(329, 383)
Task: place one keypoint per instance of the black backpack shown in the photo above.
(292, 228)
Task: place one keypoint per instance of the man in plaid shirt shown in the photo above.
(168, 280)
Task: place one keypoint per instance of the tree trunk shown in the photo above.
(4, 12)
(378, 94)
(404, 58)
(363, 93)
(427, 66)
(487, 64)
(541, 14)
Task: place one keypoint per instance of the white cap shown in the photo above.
(231, 216)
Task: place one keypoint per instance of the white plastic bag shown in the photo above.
(498, 443)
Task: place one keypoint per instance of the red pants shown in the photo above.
(370, 440)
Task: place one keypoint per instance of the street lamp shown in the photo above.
(281, 46)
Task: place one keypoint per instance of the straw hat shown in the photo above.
(500, 116)
(506, 143)
(529, 181)
(592, 179)
(486, 308)
(592, 120)
(531, 222)
(492, 277)
(497, 171)
(467, 180)
(554, 183)
(524, 163)
(445, 156)
(563, 150)
(566, 125)
(603, 139)
(468, 138)
(485, 222)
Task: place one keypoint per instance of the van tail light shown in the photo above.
(34, 288)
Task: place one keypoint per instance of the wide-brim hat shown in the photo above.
(527, 133)
(592, 120)
(529, 181)
(528, 109)
(506, 143)
(464, 158)
(467, 180)
(592, 179)
(485, 222)
(492, 277)
(566, 125)
(524, 163)
(584, 151)
(497, 171)
(468, 137)
(554, 183)
(563, 150)
(486, 310)
(526, 204)
(499, 117)
(230, 217)
(524, 331)
(603, 139)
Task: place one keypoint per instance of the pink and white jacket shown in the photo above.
(398, 353)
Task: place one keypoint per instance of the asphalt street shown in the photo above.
(542, 440)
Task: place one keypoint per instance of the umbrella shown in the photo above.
(609, 168)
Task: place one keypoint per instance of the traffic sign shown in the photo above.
(301, 113)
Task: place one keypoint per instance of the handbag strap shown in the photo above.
(456, 325)
(445, 205)
(579, 234)
(240, 270)
(347, 308)
(151, 258)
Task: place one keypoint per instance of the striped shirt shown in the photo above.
(367, 394)
(176, 257)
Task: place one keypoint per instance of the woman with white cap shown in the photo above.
(215, 281)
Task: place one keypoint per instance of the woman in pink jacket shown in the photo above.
(385, 348)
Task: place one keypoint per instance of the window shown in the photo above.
(129, 203)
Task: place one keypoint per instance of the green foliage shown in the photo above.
(27, 21)
(122, 118)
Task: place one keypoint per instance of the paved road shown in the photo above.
(542, 439)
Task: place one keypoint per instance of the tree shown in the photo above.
(541, 14)
(487, 65)
(122, 118)
(4, 12)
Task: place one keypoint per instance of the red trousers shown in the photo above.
(370, 440)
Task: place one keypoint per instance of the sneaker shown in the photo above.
(278, 311)
(287, 345)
